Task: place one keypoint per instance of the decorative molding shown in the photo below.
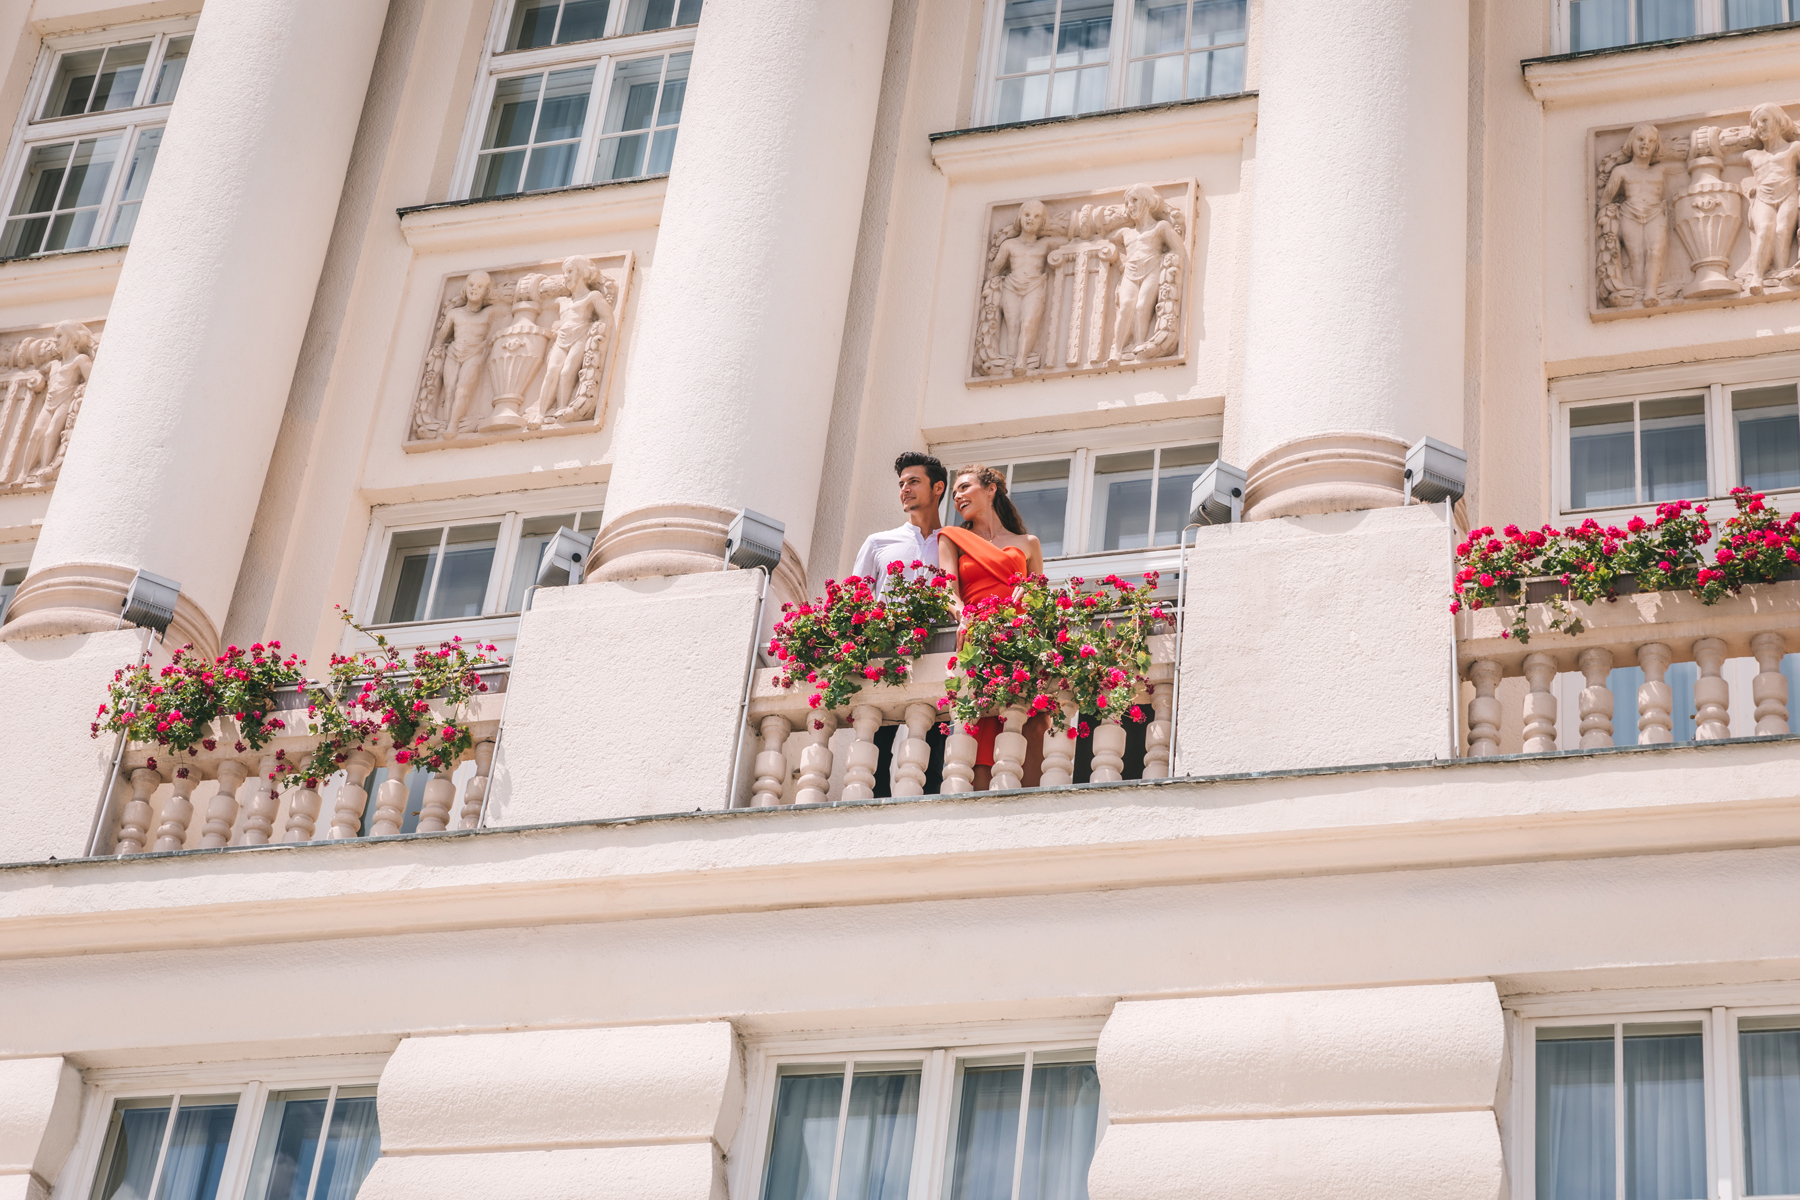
(1084, 282)
(1747, 56)
(43, 379)
(1124, 138)
(67, 275)
(523, 351)
(561, 215)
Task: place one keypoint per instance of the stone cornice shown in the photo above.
(1591, 804)
(1747, 56)
(61, 276)
(563, 213)
(1119, 138)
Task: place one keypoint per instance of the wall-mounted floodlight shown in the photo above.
(563, 556)
(1218, 495)
(1435, 472)
(150, 602)
(754, 541)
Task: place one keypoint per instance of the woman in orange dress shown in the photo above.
(985, 556)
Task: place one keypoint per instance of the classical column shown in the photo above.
(1354, 327)
(183, 408)
(733, 366)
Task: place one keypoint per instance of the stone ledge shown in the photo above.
(1120, 137)
(1659, 68)
(530, 216)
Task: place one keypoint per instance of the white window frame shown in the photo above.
(1715, 381)
(604, 54)
(1709, 17)
(252, 1081)
(29, 132)
(510, 511)
(939, 1053)
(1118, 60)
(1083, 447)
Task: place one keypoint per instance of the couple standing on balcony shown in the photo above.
(985, 552)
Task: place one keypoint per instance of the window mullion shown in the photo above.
(1024, 1123)
(115, 188)
(162, 1152)
(588, 154)
(1618, 1111)
(556, 26)
(837, 1147)
(1155, 486)
(1637, 448)
(1119, 54)
(1720, 1151)
(437, 568)
(537, 114)
(312, 1180)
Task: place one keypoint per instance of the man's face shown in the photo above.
(916, 491)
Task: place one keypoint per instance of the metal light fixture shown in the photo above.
(150, 602)
(754, 540)
(1435, 472)
(1218, 495)
(563, 556)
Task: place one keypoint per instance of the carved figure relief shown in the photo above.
(43, 379)
(1083, 283)
(521, 351)
(1729, 192)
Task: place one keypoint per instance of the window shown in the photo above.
(1017, 1125)
(580, 91)
(1655, 1107)
(1600, 24)
(1057, 58)
(10, 579)
(95, 121)
(229, 1138)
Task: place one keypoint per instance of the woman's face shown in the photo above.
(971, 499)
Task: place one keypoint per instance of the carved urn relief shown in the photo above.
(1708, 216)
(514, 361)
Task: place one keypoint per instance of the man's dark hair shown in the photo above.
(934, 470)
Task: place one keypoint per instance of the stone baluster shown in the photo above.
(772, 763)
(263, 806)
(1484, 709)
(1595, 704)
(475, 795)
(1161, 727)
(960, 749)
(390, 805)
(913, 756)
(1059, 749)
(1656, 699)
(1540, 704)
(134, 821)
(1109, 751)
(352, 797)
(863, 755)
(303, 814)
(222, 809)
(1009, 751)
(815, 759)
(434, 806)
(1712, 695)
(178, 810)
(1770, 687)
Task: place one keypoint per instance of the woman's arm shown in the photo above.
(1034, 557)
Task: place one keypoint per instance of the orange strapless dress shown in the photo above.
(983, 570)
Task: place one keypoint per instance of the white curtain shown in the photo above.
(196, 1152)
(987, 1133)
(296, 1145)
(139, 1141)
(1770, 1062)
(351, 1148)
(1597, 23)
(1575, 1119)
(1665, 1118)
(806, 1115)
(1060, 1130)
(878, 1137)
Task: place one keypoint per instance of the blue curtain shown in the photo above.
(1665, 1118)
(1061, 1126)
(987, 1133)
(806, 1116)
(1575, 1119)
(1769, 1062)
(879, 1133)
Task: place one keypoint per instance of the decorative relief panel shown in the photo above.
(43, 378)
(1695, 213)
(521, 352)
(1090, 282)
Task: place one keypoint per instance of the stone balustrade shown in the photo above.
(220, 797)
(1737, 684)
(810, 756)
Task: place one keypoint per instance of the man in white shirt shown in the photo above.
(922, 483)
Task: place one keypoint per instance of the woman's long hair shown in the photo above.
(1004, 508)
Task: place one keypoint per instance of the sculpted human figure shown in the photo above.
(1019, 268)
(1774, 192)
(577, 314)
(63, 380)
(1144, 242)
(468, 328)
(1644, 216)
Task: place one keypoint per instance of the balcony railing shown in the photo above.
(1652, 668)
(809, 756)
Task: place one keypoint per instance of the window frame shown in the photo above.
(1709, 18)
(1118, 61)
(253, 1082)
(12, 555)
(30, 133)
(605, 54)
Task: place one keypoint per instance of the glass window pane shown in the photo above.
(515, 108)
(879, 1132)
(499, 174)
(137, 178)
(1040, 491)
(805, 1138)
(674, 89)
(1575, 1114)
(987, 1133)
(10, 579)
(1769, 1084)
(73, 85)
(405, 581)
(533, 537)
(582, 20)
(533, 24)
(1601, 468)
(565, 105)
(168, 79)
(1121, 517)
(1154, 80)
(1029, 27)
(1658, 19)
(1158, 26)
(196, 1155)
(1084, 33)
(550, 167)
(1768, 436)
(1665, 1114)
(1061, 1126)
(645, 15)
(1219, 22)
(463, 580)
(352, 1145)
(1022, 99)
(1181, 466)
(631, 103)
(1746, 14)
(134, 1138)
(44, 171)
(1673, 449)
(1216, 73)
(288, 1145)
(1597, 24)
(120, 76)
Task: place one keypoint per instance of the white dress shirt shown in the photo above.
(903, 545)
